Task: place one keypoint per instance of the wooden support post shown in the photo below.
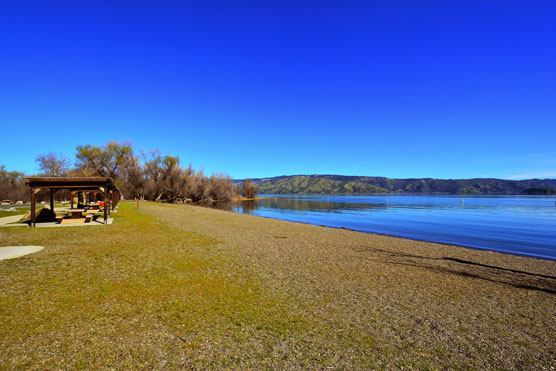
(105, 204)
(71, 198)
(51, 199)
(108, 202)
(32, 207)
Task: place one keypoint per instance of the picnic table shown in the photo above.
(76, 216)
(76, 213)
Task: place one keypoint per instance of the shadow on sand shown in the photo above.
(466, 268)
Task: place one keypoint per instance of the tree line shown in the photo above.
(146, 175)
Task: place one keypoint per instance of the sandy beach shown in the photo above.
(175, 286)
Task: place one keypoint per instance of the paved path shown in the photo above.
(10, 219)
(6, 207)
(10, 252)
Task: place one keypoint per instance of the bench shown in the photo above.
(72, 221)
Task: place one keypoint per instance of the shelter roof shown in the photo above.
(80, 183)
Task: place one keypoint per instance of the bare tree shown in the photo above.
(89, 160)
(221, 187)
(133, 176)
(53, 164)
(151, 175)
(165, 177)
(12, 186)
(107, 160)
(248, 189)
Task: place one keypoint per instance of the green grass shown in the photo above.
(135, 279)
(18, 211)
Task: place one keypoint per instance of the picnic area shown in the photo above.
(91, 198)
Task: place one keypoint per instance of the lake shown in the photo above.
(521, 225)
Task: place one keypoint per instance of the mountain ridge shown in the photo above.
(350, 184)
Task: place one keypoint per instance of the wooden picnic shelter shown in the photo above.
(95, 185)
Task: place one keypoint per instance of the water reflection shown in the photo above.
(247, 207)
(319, 205)
(283, 203)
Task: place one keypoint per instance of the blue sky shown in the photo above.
(401, 89)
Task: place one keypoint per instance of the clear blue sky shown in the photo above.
(447, 89)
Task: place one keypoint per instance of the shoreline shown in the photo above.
(453, 249)
(414, 239)
(387, 235)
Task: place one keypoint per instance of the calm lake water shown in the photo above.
(522, 225)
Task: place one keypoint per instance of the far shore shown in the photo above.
(241, 198)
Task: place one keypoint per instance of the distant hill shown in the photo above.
(539, 191)
(319, 184)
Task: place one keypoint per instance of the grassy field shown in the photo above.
(173, 286)
(18, 211)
